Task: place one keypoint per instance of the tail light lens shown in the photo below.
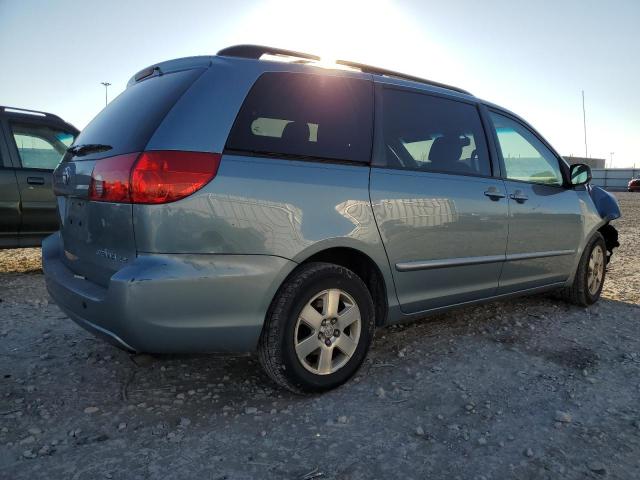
(152, 177)
(167, 176)
(110, 179)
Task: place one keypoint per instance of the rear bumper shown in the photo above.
(171, 303)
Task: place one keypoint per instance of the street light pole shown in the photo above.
(106, 87)
(584, 123)
(611, 158)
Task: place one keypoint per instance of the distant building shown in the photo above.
(592, 162)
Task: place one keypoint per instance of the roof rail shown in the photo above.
(256, 51)
(30, 112)
(390, 73)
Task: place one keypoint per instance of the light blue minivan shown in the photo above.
(258, 200)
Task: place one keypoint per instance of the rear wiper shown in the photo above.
(80, 150)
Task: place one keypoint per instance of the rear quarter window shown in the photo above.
(306, 115)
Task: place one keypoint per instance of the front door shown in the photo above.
(441, 215)
(545, 221)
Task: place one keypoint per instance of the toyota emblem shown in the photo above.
(66, 175)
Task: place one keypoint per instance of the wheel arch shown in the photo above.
(358, 262)
(363, 266)
(610, 234)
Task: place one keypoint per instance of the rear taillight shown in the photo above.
(167, 176)
(110, 179)
(152, 177)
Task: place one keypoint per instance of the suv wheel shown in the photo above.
(318, 329)
(589, 279)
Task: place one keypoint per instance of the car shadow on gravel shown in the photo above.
(533, 326)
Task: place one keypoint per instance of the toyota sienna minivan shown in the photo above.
(260, 200)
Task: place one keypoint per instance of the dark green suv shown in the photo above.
(31, 145)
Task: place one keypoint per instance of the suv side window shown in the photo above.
(306, 115)
(526, 158)
(434, 134)
(40, 146)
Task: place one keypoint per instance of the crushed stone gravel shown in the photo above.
(527, 388)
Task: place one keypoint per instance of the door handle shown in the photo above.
(494, 194)
(35, 180)
(518, 196)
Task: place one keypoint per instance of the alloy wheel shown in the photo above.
(595, 272)
(327, 331)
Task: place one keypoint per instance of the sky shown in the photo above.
(532, 57)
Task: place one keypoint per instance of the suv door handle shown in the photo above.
(494, 194)
(35, 180)
(518, 196)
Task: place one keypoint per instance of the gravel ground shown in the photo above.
(529, 388)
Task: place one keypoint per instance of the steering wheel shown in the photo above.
(473, 159)
(399, 151)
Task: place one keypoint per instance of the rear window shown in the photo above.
(305, 115)
(127, 123)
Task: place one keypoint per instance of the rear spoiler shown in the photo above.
(171, 66)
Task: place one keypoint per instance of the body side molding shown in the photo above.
(458, 262)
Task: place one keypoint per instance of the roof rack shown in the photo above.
(256, 51)
(30, 112)
(390, 73)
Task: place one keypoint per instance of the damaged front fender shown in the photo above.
(608, 209)
(605, 202)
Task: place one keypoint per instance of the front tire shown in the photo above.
(589, 279)
(318, 329)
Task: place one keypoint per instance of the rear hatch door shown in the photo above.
(98, 237)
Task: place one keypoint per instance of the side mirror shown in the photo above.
(580, 174)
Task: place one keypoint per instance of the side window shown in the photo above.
(40, 146)
(306, 115)
(526, 158)
(424, 132)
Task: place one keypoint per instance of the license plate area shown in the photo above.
(74, 227)
(98, 238)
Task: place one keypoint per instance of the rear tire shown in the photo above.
(589, 279)
(318, 329)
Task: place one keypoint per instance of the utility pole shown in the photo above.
(611, 157)
(584, 122)
(106, 87)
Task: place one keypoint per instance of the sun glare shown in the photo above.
(373, 32)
